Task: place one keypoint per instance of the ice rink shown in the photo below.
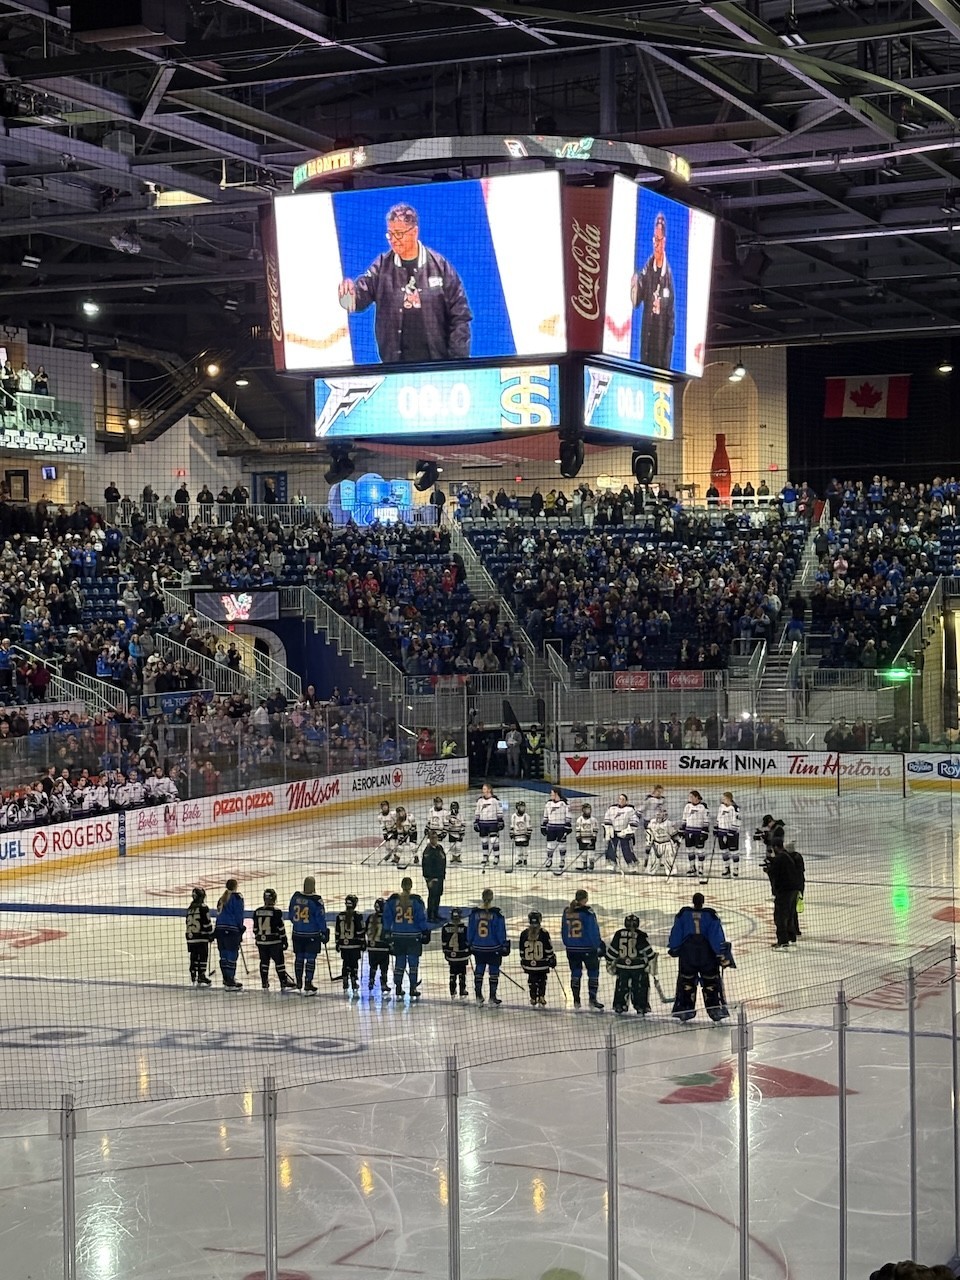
(96, 1002)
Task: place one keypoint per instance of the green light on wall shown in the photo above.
(898, 673)
(900, 892)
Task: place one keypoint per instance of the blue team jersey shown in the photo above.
(579, 930)
(486, 929)
(307, 916)
(406, 919)
(231, 916)
(705, 924)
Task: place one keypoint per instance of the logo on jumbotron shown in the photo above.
(576, 764)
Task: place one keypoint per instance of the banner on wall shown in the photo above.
(822, 768)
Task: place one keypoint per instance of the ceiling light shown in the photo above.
(793, 36)
(242, 380)
(90, 308)
(30, 261)
(759, 305)
(230, 304)
(176, 199)
(738, 373)
(94, 362)
(126, 240)
(133, 422)
(212, 370)
(944, 367)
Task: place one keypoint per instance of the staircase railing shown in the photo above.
(353, 643)
(213, 675)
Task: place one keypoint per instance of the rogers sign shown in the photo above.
(232, 806)
(74, 837)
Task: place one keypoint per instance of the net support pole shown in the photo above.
(742, 1038)
(271, 1260)
(955, 1068)
(610, 1067)
(912, 1084)
(841, 1020)
(452, 1093)
(68, 1184)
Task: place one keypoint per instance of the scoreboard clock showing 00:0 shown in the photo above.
(472, 401)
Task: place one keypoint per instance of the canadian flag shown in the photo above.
(869, 396)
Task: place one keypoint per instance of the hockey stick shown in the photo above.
(556, 973)
(329, 965)
(504, 974)
(707, 865)
(243, 957)
(373, 853)
(660, 991)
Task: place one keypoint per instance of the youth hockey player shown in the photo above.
(436, 822)
(587, 829)
(388, 831)
(632, 960)
(700, 948)
(580, 934)
(271, 939)
(378, 948)
(199, 933)
(229, 934)
(488, 823)
(487, 938)
(537, 957)
(349, 938)
(661, 844)
(456, 952)
(406, 835)
(696, 827)
(309, 928)
(555, 825)
(727, 831)
(521, 828)
(456, 829)
(406, 919)
(620, 826)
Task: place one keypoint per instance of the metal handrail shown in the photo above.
(352, 642)
(555, 663)
(213, 675)
(289, 514)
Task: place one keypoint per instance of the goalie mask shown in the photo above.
(631, 922)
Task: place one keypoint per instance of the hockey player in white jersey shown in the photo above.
(521, 829)
(661, 842)
(620, 825)
(587, 829)
(696, 827)
(488, 823)
(456, 830)
(437, 817)
(652, 802)
(407, 835)
(727, 831)
(388, 831)
(556, 826)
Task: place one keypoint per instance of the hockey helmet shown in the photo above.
(521, 806)
(401, 811)
(438, 802)
(585, 809)
(631, 922)
(350, 901)
(535, 918)
(269, 897)
(661, 814)
(454, 806)
(378, 905)
(456, 914)
(384, 806)
(199, 895)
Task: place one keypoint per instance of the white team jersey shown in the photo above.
(728, 817)
(520, 828)
(650, 806)
(135, 792)
(437, 820)
(556, 813)
(407, 829)
(660, 831)
(587, 831)
(388, 825)
(455, 827)
(696, 817)
(90, 803)
(623, 819)
(487, 810)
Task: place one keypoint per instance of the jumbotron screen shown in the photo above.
(422, 274)
(658, 280)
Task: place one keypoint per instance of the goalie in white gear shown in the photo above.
(388, 831)
(488, 823)
(556, 826)
(587, 830)
(456, 829)
(620, 825)
(661, 842)
(727, 831)
(696, 828)
(521, 829)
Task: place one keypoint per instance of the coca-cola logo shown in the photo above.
(273, 288)
(311, 795)
(585, 251)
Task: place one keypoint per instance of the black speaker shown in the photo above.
(129, 24)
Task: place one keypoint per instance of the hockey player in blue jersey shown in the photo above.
(405, 918)
(698, 944)
(487, 938)
(308, 922)
(580, 934)
(229, 934)
(199, 931)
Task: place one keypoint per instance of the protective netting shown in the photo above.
(95, 978)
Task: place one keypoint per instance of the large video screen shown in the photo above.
(422, 274)
(658, 280)
(470, 402)
(238, 606)
(627, 403)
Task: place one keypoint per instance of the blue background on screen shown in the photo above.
(453, 223)
(649, 204)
